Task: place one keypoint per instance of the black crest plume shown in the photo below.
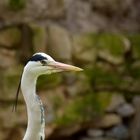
(16, 97)
(35, 58)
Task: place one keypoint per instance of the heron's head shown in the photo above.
(41, 63)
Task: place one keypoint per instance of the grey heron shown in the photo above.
(38, 64)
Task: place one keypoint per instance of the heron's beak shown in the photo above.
(63, 67)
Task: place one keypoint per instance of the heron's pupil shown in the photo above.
(43, 62)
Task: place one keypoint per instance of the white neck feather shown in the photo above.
(35, 111)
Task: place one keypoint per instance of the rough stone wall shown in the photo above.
(74, 31)
(79, 15)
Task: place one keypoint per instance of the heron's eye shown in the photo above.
(43, 62)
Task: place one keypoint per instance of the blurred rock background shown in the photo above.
(101, 36)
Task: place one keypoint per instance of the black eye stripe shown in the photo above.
(37, 57)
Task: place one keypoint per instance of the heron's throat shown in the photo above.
(35, 110)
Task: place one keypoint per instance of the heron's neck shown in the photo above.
(35, 110)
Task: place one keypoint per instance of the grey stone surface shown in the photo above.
(95, 133)
(109, 120)
(120, 132)
(116, 101)
(125, 110)
(59, 43)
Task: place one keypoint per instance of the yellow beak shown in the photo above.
(63, 67)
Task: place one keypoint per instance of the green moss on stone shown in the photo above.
(87, 40)
(57, 102)
(99, 76)
(84, 47)
(134, 70)
(17, 4)
(10, 37)
(49, 81)
(11, 79)
(135, 42)
(84, 108)
(39, 37)
(112, 43)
